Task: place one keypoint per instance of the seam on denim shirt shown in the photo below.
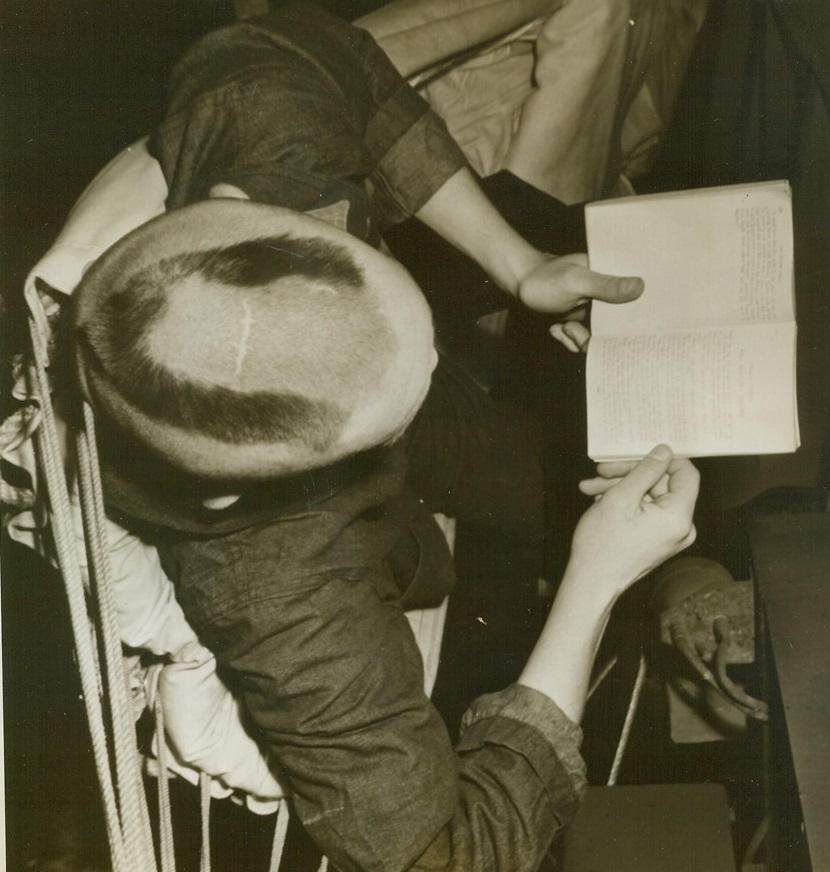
(233, 602)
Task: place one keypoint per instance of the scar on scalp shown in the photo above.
(242, 345)
(286, 251)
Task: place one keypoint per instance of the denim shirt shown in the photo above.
(306, 611)
(303, 602)
(299, 110)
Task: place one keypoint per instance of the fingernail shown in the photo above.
(634, 287)
(581, 344)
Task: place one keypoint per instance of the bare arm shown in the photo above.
(639, 521)
(461, 213)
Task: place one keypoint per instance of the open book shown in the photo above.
(704, 361)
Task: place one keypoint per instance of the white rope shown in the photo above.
(629, 720)
(125, 808)
(280, 832)
(132, 801)
(204, 789)
(63, 535)
(601, 677)
(167, 851)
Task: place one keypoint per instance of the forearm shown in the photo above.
(641, 516)
(461, 213)
(561, 662)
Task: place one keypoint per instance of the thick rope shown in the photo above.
(124, 716)
(135, 821)
(280, 832)
(167, 850)
(64, 540)
(204, 787)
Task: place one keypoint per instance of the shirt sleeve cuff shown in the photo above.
(551, 743)
(417, 161)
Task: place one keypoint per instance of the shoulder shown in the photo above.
(294, 37)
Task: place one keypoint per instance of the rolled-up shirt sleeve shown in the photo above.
(295, 106)
(522, 779)
(412, 151)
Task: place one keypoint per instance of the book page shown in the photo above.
(728, 390)
(712, 256)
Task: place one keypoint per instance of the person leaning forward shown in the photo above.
(275, 417)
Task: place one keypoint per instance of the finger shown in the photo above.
(646, 499)
(687, 540)
(580, 313)
(683, 484)
(645, 475)
(615, 468)
(222, 190)
(662, 487)
(577, 333)
(690, 538)
(592, 487)
(559, 334)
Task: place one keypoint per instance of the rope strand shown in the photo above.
(204, 786)
(132, 800)
(629, 720)
(63, 535)
(166, 844)
(280, 832)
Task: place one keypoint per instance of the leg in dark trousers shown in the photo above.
(525, 364)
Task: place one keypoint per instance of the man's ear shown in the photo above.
(226, 191)
(221, 502)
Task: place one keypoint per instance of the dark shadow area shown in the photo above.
(53, 809)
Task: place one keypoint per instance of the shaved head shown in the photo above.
(239, 340)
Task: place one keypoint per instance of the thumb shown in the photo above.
(585, 285)
(645, 475)
(614, 289)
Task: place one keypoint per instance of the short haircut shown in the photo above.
(337, 343)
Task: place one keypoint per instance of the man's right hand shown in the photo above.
(642, 515)
(565, 286)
